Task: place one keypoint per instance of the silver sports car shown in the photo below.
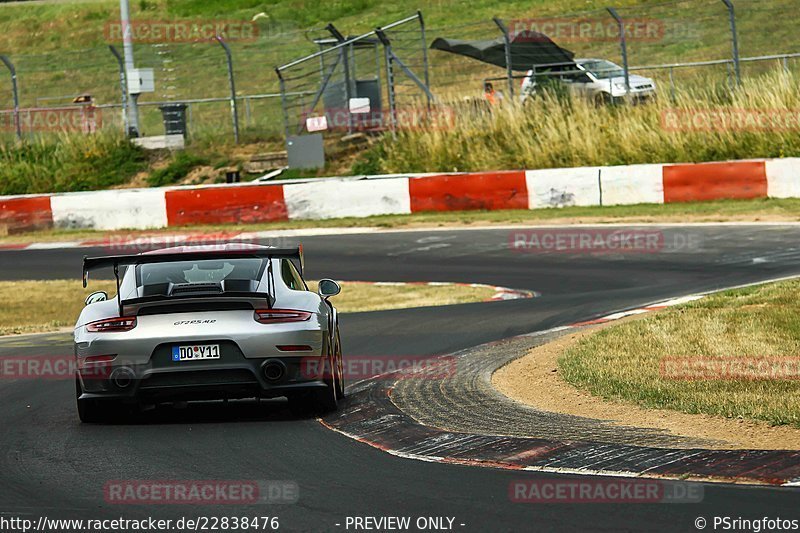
(207, 322)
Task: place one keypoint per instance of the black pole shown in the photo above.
(234, 109)
(623, 45)
(13, 71)
(123, 85)
(734, 41)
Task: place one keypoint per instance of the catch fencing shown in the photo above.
(682, 44)
(341, 87)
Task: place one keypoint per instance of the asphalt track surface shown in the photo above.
(52, 465)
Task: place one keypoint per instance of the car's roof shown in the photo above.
(227, 247)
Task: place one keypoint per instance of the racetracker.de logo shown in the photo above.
(586, 241)
(50, 367)
(726, 120)
(356, 367)
(83, 119)
(180, 31)
(217, 241)
(584, 30)
(604, 491)
(730, 368)
(201, 492)
(437, 117)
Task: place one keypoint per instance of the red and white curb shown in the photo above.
(403, 194)
(377, 422)
(638, 311)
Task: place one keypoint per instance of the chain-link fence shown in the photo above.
(359, 83)
(681, 44)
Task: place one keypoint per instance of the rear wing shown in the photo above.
(116, 261)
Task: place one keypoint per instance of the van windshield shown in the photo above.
(602, 69)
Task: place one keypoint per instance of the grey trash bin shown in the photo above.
(174, 118)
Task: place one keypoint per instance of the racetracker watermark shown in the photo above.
(437, 117)
(84, 119)
(616, 490)
(218, 241)
(731, 120)
(583, 30)
(201, 492)
(355, 367)
(180, 31)
(51, 367)
(730, 368)
(601, 240)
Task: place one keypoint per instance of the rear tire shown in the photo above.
(93, 411)
(339, 366)
(327, 399)
(89, 411)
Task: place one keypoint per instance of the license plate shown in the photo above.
(195, 352)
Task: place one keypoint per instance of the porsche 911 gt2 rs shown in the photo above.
(207, 322)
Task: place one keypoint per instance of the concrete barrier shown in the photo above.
(353, 197)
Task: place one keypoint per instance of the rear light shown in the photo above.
(97, 359)
(273, 316)
(110, 325)
(294, 347)
(96, 366)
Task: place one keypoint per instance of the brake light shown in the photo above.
(273, 316)
(94, 359)
(294, 347)
(110, 325)
(98, 364)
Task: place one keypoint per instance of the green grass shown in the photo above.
(60, 50)
(555, 132)
(640, 361)
(68, 163)
(181, 164)
(717, 211)
(38, 306)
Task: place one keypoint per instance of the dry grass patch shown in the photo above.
(34, 306)
(634, 361)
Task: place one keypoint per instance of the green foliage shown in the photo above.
(68, 163)
(553, 130)
(178, 168)
(370, 161)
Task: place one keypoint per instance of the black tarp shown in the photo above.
(528, 48)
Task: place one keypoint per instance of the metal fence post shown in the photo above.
(388, 58)
(671, 85)
(734, 41)
(234, 110)
(348, 82)
(507, 47)
(425, 64)
(123, 84)
(10, 65)
(624, 48)
(285, 110)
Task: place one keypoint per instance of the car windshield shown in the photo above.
(602, 69)
(201, 271)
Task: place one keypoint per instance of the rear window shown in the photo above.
(203, 271)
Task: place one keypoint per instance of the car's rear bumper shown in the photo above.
(200, 380)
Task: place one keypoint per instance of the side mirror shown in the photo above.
(99, 296)
(328, 288)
